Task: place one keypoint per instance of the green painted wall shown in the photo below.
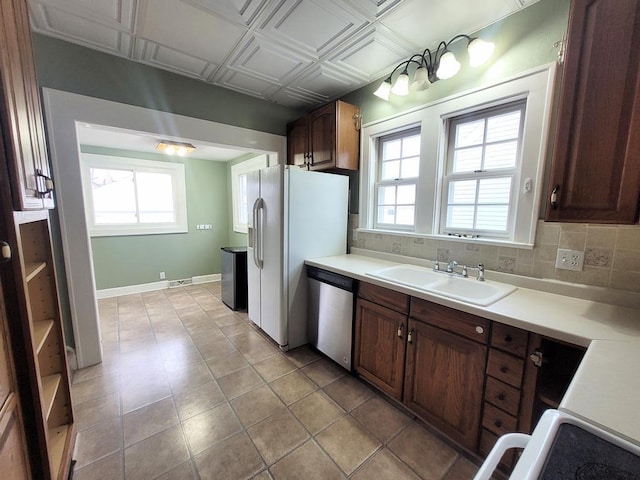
(523, 41)
(72, 68)
(138, 259)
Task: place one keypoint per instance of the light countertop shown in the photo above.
(606, 387)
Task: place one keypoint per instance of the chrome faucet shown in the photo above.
(451, 269)
(451, 266)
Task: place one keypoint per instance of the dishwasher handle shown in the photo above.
(333, 279)
(504, 443)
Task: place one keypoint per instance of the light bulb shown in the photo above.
(448, 66)
(182, 151)
(383, 90)
(401, 87)
(479, 51)
(420, 79)
(170, 150)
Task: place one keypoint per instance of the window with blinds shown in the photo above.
(398, 172)
(482, 161)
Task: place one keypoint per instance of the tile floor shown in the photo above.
(189, 389)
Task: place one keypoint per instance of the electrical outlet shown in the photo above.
(570, 259)
(162, 276)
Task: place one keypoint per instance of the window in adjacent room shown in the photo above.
(482, 161)
(398, 170)
(128, 196)
(239, 175)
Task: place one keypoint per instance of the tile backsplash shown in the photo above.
(611, 253)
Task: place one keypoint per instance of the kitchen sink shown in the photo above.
(448, 285)
(410, 275)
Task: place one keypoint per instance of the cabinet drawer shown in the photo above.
(505, 367)
(465, 324)
(502, 395)
(497, 421)
(510, 339)
(383, 296)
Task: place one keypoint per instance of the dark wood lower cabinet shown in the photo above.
(380, 346)
(444, 380)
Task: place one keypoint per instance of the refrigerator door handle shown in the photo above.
(257, 232)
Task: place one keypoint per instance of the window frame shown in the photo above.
(409, 132)
(243, 168)
(175, 170)
(534, 86)
(512, 172)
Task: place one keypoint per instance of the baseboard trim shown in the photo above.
(150, 287)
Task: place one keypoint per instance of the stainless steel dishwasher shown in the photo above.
(330, 319)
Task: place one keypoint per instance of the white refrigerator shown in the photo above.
(293, 215)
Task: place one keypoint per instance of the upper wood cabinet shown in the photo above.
(25, 149)
(595, 171)
(326, 138)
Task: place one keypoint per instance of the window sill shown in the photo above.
(447, 238)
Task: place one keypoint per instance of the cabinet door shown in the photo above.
(298, 142)
(444, 381)
(596, 161)
(13, 452)
(322, 137)
(380, 346)
(21, 112)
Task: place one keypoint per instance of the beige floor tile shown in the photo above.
(426, 454)
(234, 458)
(152, 375)
(307, 462)
(227, 319)
(137, 341)
(148, 421)
(274, 367)
(96, 370)
(264, 475)
(210, 427)
(98, 441)
(324, 371)
(256, 405)
(215, 347)
(386, 466)
(259, 352)
(184, 471)
(199, 399)
(463, 469)
(188, 376)
(155, 455)
(240, 382)
(138, 396)
(347, 443)
(235, 329)
(277, 435)
(293, 387)
(110, 467)
(226, 363)
(381, 418)
(316, 411)
(95, 411)
(148, 356)
(348, 392)
(302, 356)
(95, 387)
(179, 351)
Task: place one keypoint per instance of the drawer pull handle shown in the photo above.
(479, 330)
(508, 339)
(410, 336)
(400, 328)
(504, 369)
(501, 397)
(497, 423)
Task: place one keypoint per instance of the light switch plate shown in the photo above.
(570, 259)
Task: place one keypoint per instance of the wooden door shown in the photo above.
(13, 450)
(322, 137)
(21, 112)
(596, 162)
(380, 346)
(444, 380)
(298, 142)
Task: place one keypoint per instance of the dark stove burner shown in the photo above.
(598, 471)
(581, 455)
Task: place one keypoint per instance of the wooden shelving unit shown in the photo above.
(44, 339)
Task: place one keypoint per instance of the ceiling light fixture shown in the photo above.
(175, 148)
(433, 66)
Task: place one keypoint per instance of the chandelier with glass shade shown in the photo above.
(431, 66)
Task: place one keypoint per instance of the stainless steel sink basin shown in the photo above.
(464, 289)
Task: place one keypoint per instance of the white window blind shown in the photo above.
(483, 157)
